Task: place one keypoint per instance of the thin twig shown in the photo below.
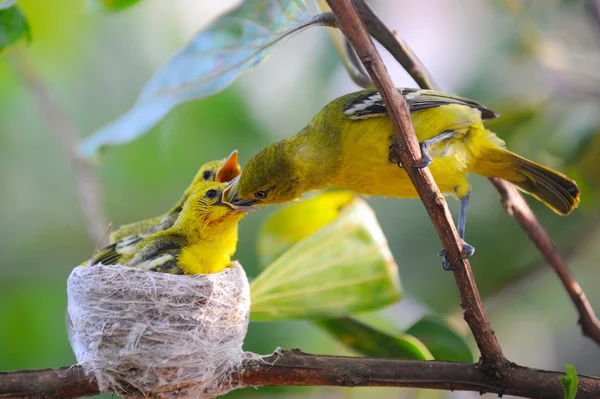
(351, 25)
(586, 237)
(294, 368)
(397, 47)
(63, 129)
(515, 206)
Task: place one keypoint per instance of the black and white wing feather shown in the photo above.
(369, 104)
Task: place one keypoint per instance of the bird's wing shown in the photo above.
(159, 255)
(369, 104)
(112, 254)
(133, 229)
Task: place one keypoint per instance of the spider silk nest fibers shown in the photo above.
(160, 334)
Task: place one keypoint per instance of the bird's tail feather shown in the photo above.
(557, 191)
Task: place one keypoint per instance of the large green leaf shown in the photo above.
(370, 341)
(13, 25)
(343, 268)
(443, 341)
(212, 60)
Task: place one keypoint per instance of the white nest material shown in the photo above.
(164, 335)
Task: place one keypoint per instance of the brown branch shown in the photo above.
(63, 129)
(351, 25)
(294, 368)
(515, 206)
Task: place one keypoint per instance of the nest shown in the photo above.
(156, 334)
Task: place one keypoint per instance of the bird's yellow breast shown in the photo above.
(209, 255)
(365, 145)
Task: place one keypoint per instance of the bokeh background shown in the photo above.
(537, 63)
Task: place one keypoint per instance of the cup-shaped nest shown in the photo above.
(142, 332)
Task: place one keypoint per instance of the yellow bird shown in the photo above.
(350, 144)
(202, 239)
(223, 170)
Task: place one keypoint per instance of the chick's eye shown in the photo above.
(212, 194)
(260, 194)
(206, 175)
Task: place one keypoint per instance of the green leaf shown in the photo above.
(443, 341)
(298, 220)
(570, 382)
(13, 25)
(212, 60)
(345, 267)
(112, 5)
(369, 341)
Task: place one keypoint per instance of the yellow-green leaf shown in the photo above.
(343, 268)
(298, 220)
(369, 341)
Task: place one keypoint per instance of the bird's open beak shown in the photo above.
(235, 205)
(230, 192)
(230, 169)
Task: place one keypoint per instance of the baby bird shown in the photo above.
(201, 241)
(223, 170)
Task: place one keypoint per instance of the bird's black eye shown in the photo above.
(211, 194)
(260, 194)
(206, 175)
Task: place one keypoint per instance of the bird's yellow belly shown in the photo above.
(367, 169)
(204, 259)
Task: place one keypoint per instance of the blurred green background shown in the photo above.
(537, 63)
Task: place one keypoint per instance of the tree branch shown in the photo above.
(515, 206)
(63, 129)
(351, 25)
(294, 368)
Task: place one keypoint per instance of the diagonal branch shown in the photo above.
(294, 368)
(515, 206)
(351, 25)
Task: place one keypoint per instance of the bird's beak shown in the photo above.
(230, 169)
(236, 206)
(230, 192)
(230, 196)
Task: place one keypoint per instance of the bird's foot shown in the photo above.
(426, 160)
(468, 251)
(394, 154)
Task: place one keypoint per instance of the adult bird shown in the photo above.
(201, 241)
(350, 144)
(223, 170)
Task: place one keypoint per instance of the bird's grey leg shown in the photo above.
(468, 250)
(425, 144)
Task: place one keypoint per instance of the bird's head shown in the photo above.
(221, 171)
(271, 177)
(204, 209)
